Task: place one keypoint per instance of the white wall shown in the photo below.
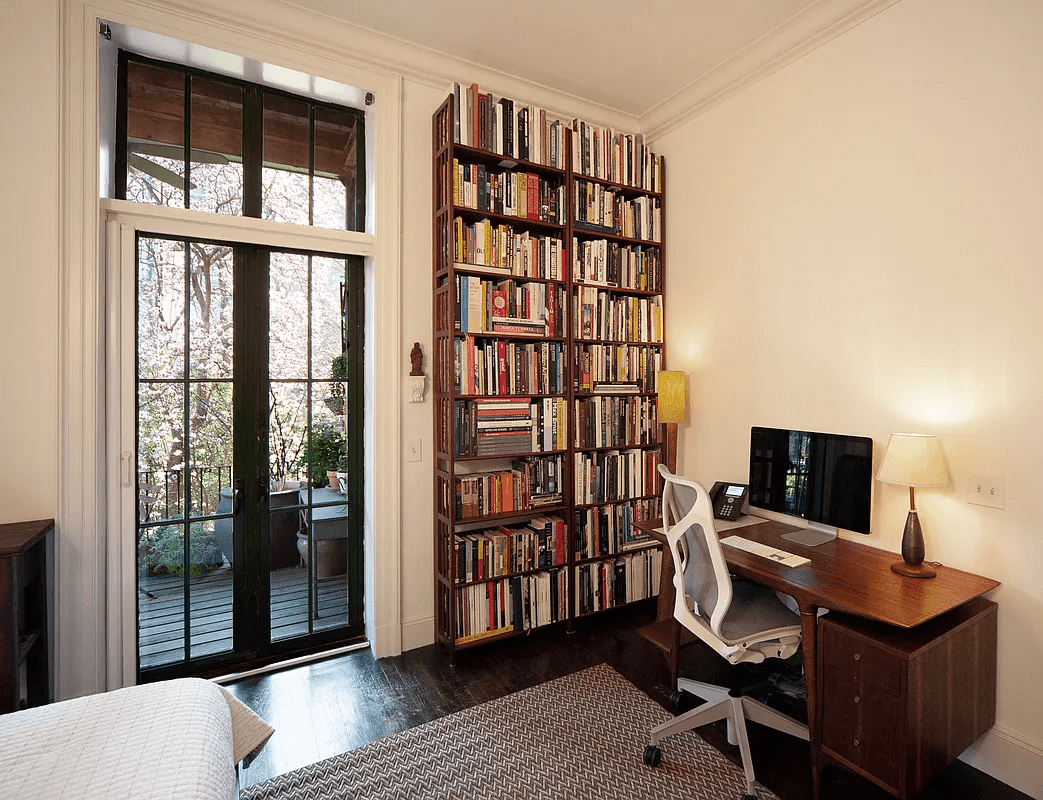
(855, 245)
(29, 262)
(419, 102)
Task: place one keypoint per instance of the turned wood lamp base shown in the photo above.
(911, 565)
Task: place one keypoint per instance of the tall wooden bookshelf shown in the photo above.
(547, 292)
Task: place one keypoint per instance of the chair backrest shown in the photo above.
(703, 586)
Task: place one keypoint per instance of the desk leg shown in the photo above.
(809, 632)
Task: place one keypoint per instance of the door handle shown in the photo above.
(237, 495)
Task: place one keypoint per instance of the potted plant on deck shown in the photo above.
(163, 550)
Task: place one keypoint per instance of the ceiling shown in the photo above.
(633, 56)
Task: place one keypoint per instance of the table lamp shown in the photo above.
(670, 410)
(914, 460)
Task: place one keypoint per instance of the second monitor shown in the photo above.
(825, 478)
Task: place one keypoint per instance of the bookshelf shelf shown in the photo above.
(495, 390)
(509, 219)
(599, 233)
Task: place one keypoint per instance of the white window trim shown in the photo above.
(91, 592)
(123, 221)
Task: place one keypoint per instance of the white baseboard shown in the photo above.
(1009, 757)
(418, 633)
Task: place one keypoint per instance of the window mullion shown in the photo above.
(253, 151)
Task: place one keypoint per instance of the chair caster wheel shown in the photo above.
(676, 698)
(653, 755)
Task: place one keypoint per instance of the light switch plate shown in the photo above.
(986, 490)
(413, 450)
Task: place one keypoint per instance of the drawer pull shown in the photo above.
(858, 656)
(858, 699)
(857, 742)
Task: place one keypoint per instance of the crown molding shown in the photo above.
(802, 33)
(331, 37)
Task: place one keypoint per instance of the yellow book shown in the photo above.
(456, 181)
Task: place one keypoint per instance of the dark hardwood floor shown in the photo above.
(330, 706)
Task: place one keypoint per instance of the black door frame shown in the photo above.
(252, 644)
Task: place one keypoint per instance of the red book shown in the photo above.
(501, 360)
(532, 196)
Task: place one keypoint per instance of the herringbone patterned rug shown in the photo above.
(575, 738)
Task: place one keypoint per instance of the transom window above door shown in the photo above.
(193, 139)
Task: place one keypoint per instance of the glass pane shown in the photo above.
(285, 185)
(287, 425)
(336, 164)
(161, 308)
(161, 449)
(327, 447)
(217, 147)
(328, 334)
(161, 597)
(155, 135)
(211, 593)
(210, 445)
(211, 329)
(288, 316)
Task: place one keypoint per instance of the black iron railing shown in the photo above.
(161, 492)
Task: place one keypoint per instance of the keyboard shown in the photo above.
(766, 551)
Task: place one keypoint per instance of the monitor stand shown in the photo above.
(813, 535)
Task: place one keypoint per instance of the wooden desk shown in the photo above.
(844, 576)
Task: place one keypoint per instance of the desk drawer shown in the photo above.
(864, 725)
(860, 657)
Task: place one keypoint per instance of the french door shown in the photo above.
(249, 454)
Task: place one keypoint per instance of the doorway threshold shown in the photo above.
(290, 662)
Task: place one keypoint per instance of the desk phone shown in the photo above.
(728, 499)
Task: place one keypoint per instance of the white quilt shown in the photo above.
(167, 740)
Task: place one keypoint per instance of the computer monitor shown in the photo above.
(825, 478)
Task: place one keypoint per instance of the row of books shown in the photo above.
(595, 365)
(613, 476)
(617, 157)
(502, 126)
(600, 314)
(506, 427)
(500, 551)
(499, 249)
(627, 579)
(513, 194)
(600, 208)
(509, 306)
(530, 483)
(613, 264)
(497, 367)
(510, 604)
(615, 421)
(607, 530)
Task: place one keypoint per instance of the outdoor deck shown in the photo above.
(162, 617)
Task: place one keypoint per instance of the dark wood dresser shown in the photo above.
(26, 614)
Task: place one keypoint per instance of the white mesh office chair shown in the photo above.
(741, 620)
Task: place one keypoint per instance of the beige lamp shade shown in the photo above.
(914, 459)
(671, 396)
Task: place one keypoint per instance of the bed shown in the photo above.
(174, 739)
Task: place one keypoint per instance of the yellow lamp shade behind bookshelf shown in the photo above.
(671, 396)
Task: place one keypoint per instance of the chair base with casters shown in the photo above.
(731, 705)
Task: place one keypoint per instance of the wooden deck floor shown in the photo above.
(161, 619)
